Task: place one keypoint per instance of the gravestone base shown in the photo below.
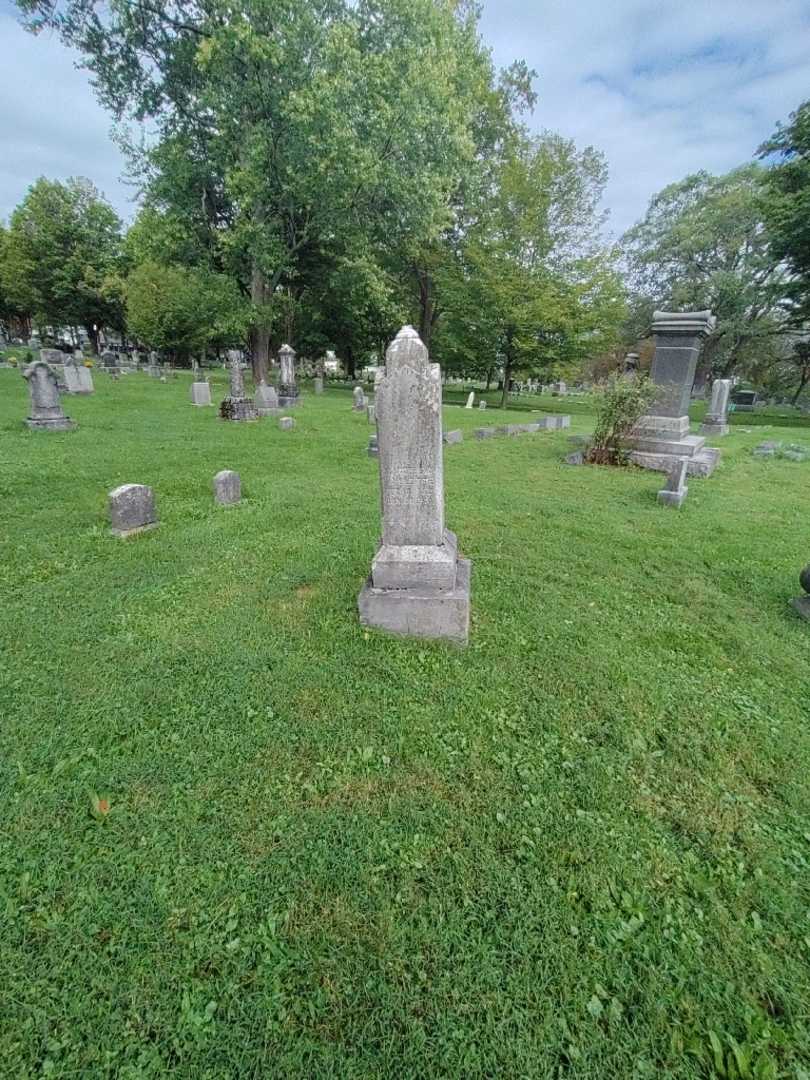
(673, 498)
(122, 534)
(801, 605)
(288, 396)
(420, 612)
(57, 423)
(712, 427)
(702, 463)
(237, 409)
(201, 394)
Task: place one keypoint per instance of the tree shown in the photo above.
(786, 205)
(703, 244)
(530, 287)
(294, 125)
(63, 243)
(183, 310)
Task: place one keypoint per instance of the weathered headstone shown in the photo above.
(286, 423)
(78, 379)
(227, 487)
(201, 394)
(371, 414)
(317, 384)
(662, 436)
(450, 438)
(470, 400)
(744, 400)
(485, 432)
(54, 357)
(266, 399)
(716, 419)
(482, 404)
(676, 490)
(373, 449)
(359, 399)
(767, 449)
(631, 362)
(419, 586)
(237, 406)
(802, 603)
(577, 457)
(132, 509)
(47, 413)
(109, 359)
(288, 393)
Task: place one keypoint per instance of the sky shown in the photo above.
(662, 89)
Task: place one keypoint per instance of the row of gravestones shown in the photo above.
(419, 583)
(132, 506)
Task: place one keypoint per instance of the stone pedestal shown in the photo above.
(47, 413)
(715, 422)
(662, 436)
(419, 585)
(201, 394)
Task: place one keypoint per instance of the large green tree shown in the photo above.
(703, 244)
(63, 243)
(286, 125)
(786, 205)
(531, 288)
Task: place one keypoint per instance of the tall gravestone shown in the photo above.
(288, 393)
(716, 420)
(201, 393)
(470, 400)
(236, 405)
(419, 586)
(47, 413)
(662, 436)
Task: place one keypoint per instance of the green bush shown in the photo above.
(622, 403)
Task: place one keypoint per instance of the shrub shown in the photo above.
(623, 402)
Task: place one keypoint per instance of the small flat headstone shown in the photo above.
(577, 458)
(482, 404)
(485, 433)
(132, 509)
(286, 423)
(227, 487)
(200, 393)
(453, 437)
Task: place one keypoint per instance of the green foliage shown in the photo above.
(621, 404)
(62, 246)
(786, 205)
(184, 310)
(260, 841)
(702, 244)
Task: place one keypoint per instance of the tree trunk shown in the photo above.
(489, 378)
(93, 335)
(426, 307)
(802, 384)
(260, 331)
(351, 365)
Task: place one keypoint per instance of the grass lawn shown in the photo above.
(580, 848)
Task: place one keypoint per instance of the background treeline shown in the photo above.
(322, 171)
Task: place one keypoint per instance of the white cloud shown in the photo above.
(664, 89)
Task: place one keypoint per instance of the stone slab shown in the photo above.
(201, 394)
(718, 430)
(132, 509)
(451, 438)
(685, 447)
(701, 464)
(801, 605)
(416, 613)
(485, 433)
(59, 423)
(227, 487)
(286, 423)
(429, 567)
(673, 498)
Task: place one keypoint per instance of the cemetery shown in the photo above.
(404, 563)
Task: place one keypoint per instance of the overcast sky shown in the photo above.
(663, 89)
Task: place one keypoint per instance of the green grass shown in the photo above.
(579, 848)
